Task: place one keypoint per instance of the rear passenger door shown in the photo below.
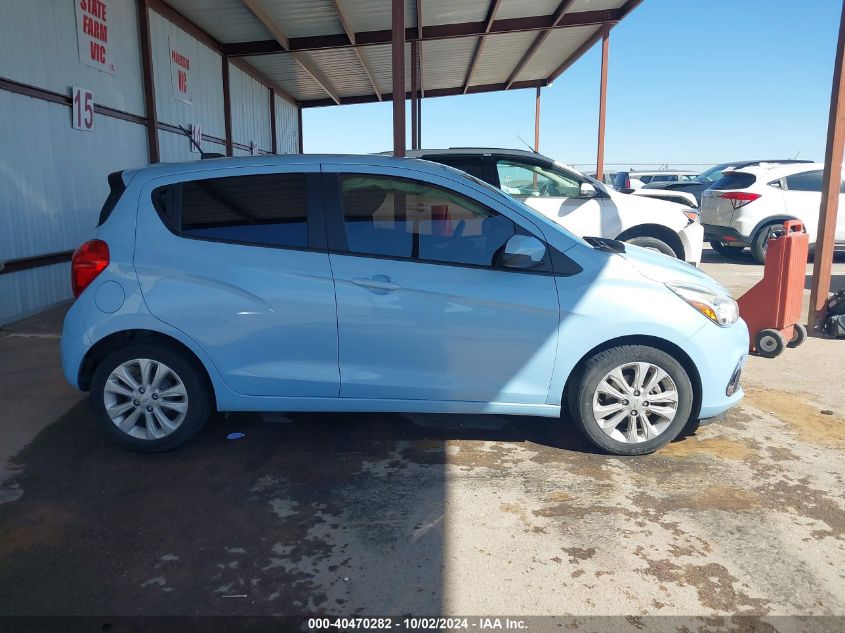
(236, 258)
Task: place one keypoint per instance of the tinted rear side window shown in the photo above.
(270, 209)
(116, 189)
(736, 180)
(619, 179)
(808, 181)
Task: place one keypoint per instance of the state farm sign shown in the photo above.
(92, 34)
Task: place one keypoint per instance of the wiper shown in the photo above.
(606, 245)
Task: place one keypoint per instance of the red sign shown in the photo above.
(180, 72)
(92, 33)
(83, 109)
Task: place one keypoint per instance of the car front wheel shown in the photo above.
(150, 397)
(631, 400)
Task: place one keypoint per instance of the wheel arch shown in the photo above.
(670, 348)
(659, 231)
(106, 345)
(772, 219)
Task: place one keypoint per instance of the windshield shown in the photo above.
(711, 175)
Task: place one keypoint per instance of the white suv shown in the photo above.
(579, 203)
(745, 205)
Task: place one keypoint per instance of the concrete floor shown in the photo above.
(421, 514)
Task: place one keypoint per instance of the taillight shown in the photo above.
(88, 261)
(627, 182)
(739, 198)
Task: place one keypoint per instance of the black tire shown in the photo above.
(799, 335)
(193, 377)
(761, 241)
(583, 389)
(731, 252)
(653, 243)
(769, 343)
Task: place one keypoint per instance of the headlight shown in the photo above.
(718, 307)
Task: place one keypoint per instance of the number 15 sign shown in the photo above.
(83, 109)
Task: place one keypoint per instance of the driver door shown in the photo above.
(554, 194)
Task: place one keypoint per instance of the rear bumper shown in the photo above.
(716, 233)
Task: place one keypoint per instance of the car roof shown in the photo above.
(660, 172)
(738, 164)
(268, 160)
(473, 151)
(778, 170)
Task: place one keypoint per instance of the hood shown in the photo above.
(645, 203)
(662, 268)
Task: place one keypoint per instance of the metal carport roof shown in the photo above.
(327, 52)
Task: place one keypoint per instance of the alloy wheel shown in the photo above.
(635, 402)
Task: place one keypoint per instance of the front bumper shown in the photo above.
(727, 234)
(718, 353)
(692, 239)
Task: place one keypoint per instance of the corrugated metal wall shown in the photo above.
(287, 127)
(250, 110)
(52, 177)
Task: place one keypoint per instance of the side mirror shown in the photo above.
(588, 190)
(523, 251)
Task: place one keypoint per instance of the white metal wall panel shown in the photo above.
(205, 79)
(52, 185)
(557, 48)
(38, 46)
(225, 20)
(500, 56)
(287, 127)
(250, 110)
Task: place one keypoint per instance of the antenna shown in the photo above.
(796, 154)
(526, 144)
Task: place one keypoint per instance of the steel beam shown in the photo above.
(282, 40)
(414, 112)
(558, 15)
(479, 45)
(148, 79)
(605, 49)
(537, 120)
(831, 185)
(426, 33)
(398, 63)
(350, 34)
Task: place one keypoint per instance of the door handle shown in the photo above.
(379, 284)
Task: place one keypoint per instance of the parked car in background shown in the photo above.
(366, 283)
(706, 178)
(577, 202)
(626, 181)
(607, 178)
(745, 205)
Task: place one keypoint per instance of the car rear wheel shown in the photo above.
(631, 400)
(653, 244)
(149, 397)
(761, 242)
(726, 250)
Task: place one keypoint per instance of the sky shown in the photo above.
(690, 82)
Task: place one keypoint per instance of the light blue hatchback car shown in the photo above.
(368, 283)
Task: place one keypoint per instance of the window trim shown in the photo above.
(336, 232)
(314, 212)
